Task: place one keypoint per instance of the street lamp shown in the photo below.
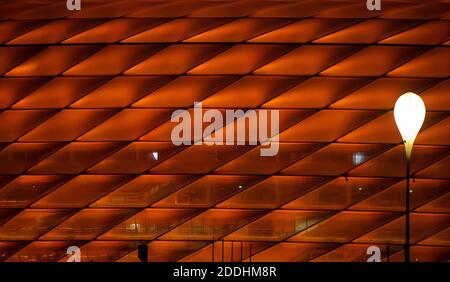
(409, 113)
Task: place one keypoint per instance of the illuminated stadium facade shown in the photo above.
(87, 159)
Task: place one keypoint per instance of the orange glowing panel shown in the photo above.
(439, 169)
(136, 157)
(105, 251)
(327, 125)
(278, 225)
(25, 189)
(344, 227)
(335, 159)
(422, 11)
(175, 30)
(207, 191)
(14, 89)
(201, 159)
(422, 226)
(18, 157)
(81, 191)
(183, 91)
(240, 59)
(307, 60)
(421, 34)
(6, 214)
(13, 56)
(169, 9)
(351, 10)
(295, 10)
(75, 157)
(316, 92)
(293, 252)
(53, 60)
(232, 9)
(176, 59)
(67, 125)
(4, 179)
(12, 29)
(302, 31)
(31, 223)
(14, 124)
(393, 198)
(42, 251)
(286, 118)
(353, 253)
(382, 93)
(433, 98)
(7, 249)
(59, 92)
(238, 30)
(434, 63)
(87, 158)
(144, 190)
(112, 31)
(112, 60)
(358, 9)
(55, 32)
(149, 224)
(38, 11)
(440, 239)
(257, 89)
(437, 134)
(213, 223)
(424, 254)
(106, 9)
(120, 92)
(393, 162)
(164, 127)
(340, 193)
(87, 224)
(374, 61)
(127, 125)
(437, 205)
(287, 154)
(384, 130)
(166, 251)
(368, 31)
(273, 192)
(226, 251)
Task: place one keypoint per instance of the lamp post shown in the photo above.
(409, 113)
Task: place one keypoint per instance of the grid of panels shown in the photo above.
(86, 98)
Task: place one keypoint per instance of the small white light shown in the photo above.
(134, 226)
(155, 155)
(358, 158)
(409, 113)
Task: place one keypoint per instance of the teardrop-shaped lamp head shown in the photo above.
(409, 113)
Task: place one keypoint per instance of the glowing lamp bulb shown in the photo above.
(409, 113)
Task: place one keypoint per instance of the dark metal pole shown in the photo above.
(388, 253)
(241, 252)
(212, 253)
(407, 256)
(223, 247)
(232, 247)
